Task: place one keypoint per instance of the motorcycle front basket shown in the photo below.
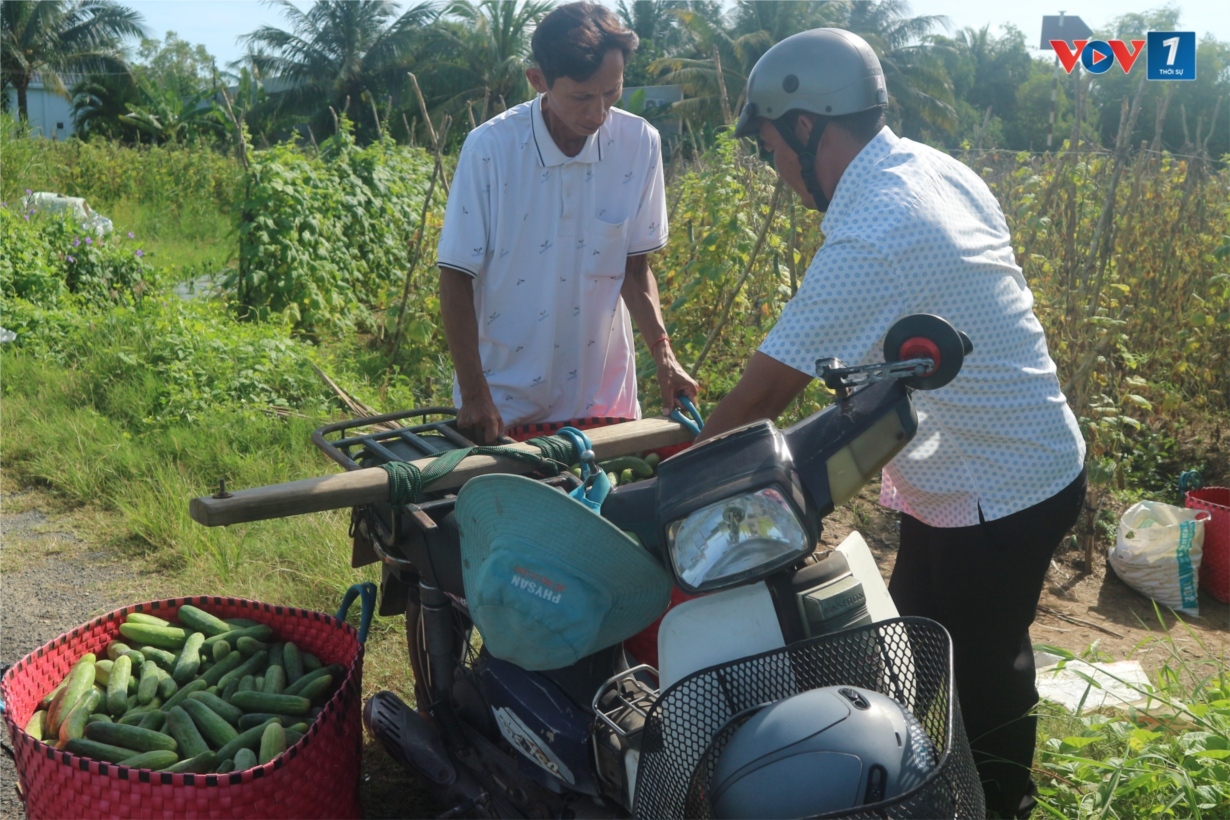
(907, 659)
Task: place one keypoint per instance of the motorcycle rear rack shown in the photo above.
(427, 439)
(640, 700)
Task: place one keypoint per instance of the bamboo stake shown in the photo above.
(747, 271)
(721, 81)
(436, 173)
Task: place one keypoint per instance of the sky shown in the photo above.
(218, 23)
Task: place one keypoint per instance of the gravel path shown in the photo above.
(53, 579)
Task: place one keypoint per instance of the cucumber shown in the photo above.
(653, 460)
(189, 659)
(167, 686)
(213, 728)
(248, 739)
(231, 688)
(639, 467)
(626, 477)
(98, 751)
(149, 683)
(246, 684)
(142, 618)
(613, 478)
(74, 725)
(334, 669)
(116, 648)
(222, 668)
(50, 696)
(316, 688)
(164, 637)
(221, 650)
(98, 717)
(80, 681)
(202, 621)
(130, 702)
(258, 685)
(132, 718)
(261, 632)
(102, 671)
(273, 743)
(182, 728)
(153, 720)
(249, 646)
(231, 714)
(201, 764)
(185, 691)
(275, 680)
(275, 657)
(224, 767)
(36, 724)
(245, 759)
(292, 662)
(293, 737)
(280, 704)
(245, 667)
(252, 719)
(310, 662)
(129, 737)
(117, 687)
(154, 761)
(164, 659)
(242, 623)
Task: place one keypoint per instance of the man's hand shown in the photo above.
(479, 420)
(672, 378)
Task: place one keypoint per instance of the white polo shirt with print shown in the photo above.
(546, 237)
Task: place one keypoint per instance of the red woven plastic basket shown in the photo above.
(1215, 565)
(317, 777)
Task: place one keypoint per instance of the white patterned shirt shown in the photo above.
(911, 230)
(546, 238)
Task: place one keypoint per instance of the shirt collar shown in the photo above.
(854, 177)
(549, 153)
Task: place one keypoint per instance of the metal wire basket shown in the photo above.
(907, 659)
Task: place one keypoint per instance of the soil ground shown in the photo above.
(61, 566)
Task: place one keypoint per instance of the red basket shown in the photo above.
(1215, 565)
(317, 777)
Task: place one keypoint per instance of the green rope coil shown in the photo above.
(407, 482)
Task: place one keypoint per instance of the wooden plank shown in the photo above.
(370, 486)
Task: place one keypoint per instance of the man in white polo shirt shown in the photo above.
(554, 205)
(994, 477)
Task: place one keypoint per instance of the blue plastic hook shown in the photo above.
(695, 423)
(367, 591)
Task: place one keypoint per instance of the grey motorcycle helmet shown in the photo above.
(826, 750)
(826, 71)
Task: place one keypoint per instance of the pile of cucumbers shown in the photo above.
(625, 469)
(204, 695)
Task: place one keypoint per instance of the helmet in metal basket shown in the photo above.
(825, 750)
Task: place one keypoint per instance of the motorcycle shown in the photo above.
(736, 520)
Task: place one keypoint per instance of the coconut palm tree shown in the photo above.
(50, 37)
(99, 101)
(334, 52)
(481, 53)
(919, 90)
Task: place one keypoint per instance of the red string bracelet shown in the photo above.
(658, 342)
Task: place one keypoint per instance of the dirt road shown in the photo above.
(53, 579)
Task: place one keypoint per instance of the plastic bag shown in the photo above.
(1158, 551)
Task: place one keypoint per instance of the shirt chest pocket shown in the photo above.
(603, 247)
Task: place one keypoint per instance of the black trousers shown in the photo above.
(983, 583)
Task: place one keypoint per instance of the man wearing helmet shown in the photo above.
(994, 477)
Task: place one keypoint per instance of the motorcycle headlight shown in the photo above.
(752, 534)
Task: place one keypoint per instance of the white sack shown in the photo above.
(75, 206)
(1158, 551)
